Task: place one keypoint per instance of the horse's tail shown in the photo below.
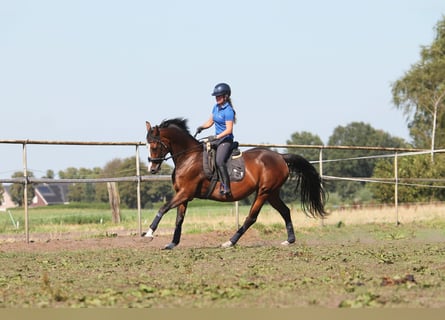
(312, 193)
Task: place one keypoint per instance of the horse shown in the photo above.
(265, 172)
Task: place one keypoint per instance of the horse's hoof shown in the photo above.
(227, 244)
(147, 236)
(169, 246)
(287, 243)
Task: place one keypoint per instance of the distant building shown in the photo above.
(7, 202)
(44, 195)
(50, 194)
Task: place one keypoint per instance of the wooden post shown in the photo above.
(25, 192)
(138, 190)
(237, 214)
(396, 188)
(115, 201)
(320, 166)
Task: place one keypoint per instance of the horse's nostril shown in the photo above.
(154, 169)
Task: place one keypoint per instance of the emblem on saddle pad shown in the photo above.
(235, 164)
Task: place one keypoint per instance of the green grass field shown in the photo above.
(91, 219)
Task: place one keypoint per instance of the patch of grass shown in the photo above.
(268, 228)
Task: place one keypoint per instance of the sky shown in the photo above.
(96, 70)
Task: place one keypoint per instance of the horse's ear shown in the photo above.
(148, 125)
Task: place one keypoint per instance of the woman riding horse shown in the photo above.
(265, 172)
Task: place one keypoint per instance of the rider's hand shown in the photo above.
(199, 130)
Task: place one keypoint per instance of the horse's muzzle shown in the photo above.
(154, 168)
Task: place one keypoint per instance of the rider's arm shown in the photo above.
(208, 123)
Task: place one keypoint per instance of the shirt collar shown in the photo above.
(225, 105)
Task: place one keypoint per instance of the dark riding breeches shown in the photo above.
(222, 155)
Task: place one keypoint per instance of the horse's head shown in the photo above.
(171, 136)
(156, 148)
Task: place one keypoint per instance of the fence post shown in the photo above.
(320, 166)
(237, 213)
(396, 187)
(138, 174)
(25, 192)
(115, 201)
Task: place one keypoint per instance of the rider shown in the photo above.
(223, 116)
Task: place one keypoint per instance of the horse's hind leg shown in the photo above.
(250, 220)
(284, 211)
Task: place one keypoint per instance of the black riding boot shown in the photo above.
(225, 181)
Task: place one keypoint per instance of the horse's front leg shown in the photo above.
(180, 215)
(178, 200)
(156, 220)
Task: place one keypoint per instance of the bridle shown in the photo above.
(151, 139)
(156, 139)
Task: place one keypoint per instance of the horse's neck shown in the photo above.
(183, 146)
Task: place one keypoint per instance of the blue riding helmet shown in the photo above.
(222, 89)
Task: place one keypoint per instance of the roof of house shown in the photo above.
(7, 202)
(54, 193)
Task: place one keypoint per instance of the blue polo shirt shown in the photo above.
(221, 114)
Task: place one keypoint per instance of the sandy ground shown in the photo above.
(71, 242)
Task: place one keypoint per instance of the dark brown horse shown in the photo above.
(265, 173)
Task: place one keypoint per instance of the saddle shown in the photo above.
(235, 164)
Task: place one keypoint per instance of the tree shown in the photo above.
(81, 192)
(418, 167)
(17, 190)
(49, 174)
(128, 190)
(160, 191)
(420, 93)
(111, 169)
(152, 191)
(305, 138)
(157, 191)
(355, 134)
(2, 191)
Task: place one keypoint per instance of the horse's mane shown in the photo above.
(181, 123)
